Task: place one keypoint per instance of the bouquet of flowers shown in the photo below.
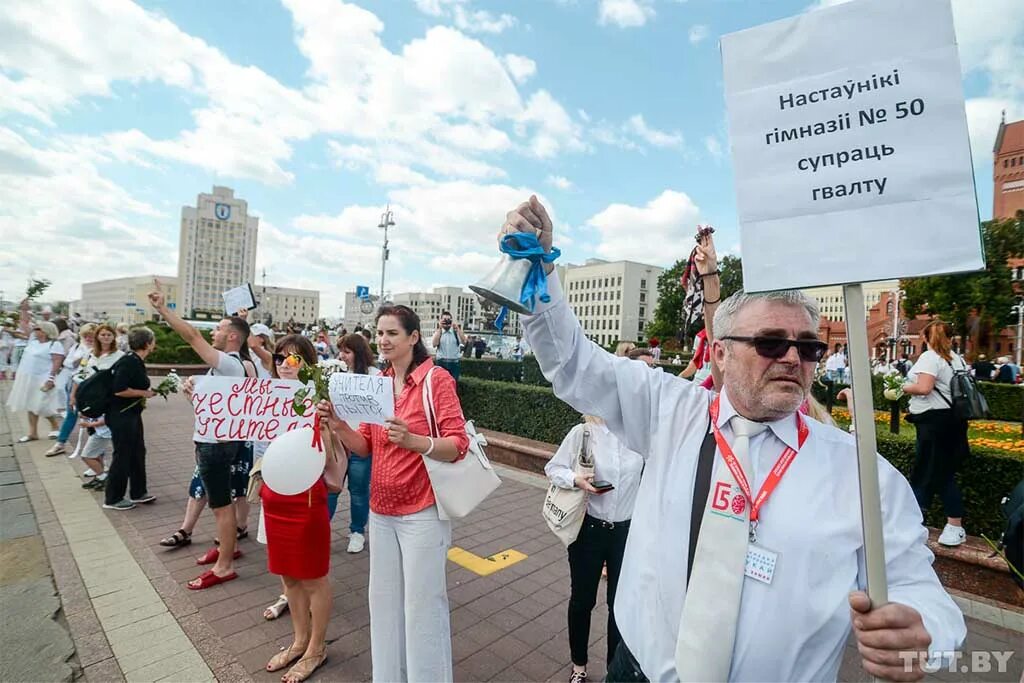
(320, 377)
(893, 386)
(170, 385)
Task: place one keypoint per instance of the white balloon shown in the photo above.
(292, 464)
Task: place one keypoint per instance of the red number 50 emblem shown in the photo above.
(720, 499)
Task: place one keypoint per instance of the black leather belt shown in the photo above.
(601, 524)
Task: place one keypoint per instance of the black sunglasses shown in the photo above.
(810, 350)
(280, 358)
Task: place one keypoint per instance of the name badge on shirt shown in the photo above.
(760, 563)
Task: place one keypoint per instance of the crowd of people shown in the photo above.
(669, 520)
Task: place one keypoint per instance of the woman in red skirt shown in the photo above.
(298, 530)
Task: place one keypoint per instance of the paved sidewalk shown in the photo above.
(509, 625)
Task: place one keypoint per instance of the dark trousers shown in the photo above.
(624, 668)
(452, 365)
(941, 449)
(599, 543)
(129, 460)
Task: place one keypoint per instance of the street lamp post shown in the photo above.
(387, 220)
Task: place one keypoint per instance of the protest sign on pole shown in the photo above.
(850, 148)
(238, 298)
(247, 409)
(852, 164)
(362, 398)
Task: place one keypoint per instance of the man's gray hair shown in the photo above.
(725, 316)
(139, 338)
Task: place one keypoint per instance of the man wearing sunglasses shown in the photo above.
(745, 554)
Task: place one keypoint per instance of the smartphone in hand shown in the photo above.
(602, 486)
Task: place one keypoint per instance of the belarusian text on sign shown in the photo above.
(362, 398)
(247, 409)
(849, 140)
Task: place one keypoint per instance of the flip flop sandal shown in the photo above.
(301, 672)
(213, 554)
(26, 439)
(208, 580)
(283, 659)
(274, 611)
(178, 539)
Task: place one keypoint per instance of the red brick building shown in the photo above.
(1008, 170)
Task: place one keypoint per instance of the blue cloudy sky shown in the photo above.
(114, 114)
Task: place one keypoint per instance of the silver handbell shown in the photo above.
(504, 284)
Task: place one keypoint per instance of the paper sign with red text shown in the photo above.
(247, 409)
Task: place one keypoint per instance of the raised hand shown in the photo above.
(529, 217)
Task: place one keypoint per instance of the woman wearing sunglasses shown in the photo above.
(408, 592)
(298, 538)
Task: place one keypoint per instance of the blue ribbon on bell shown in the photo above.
(524, 245)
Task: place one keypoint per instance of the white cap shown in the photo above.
(260, 328)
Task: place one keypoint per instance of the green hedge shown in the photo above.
(1005, 401)
(532, 374)
(171, 348)
(498, 370)
(535, 413)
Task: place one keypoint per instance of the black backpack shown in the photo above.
(967, 401)
(95, 393)
(1013, 535)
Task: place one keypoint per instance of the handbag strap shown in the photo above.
(428, 404)
(701, 487)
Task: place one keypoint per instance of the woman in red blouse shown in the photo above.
(410, 635)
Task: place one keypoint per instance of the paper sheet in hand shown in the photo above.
(362, 398)
(849, 142)
(238, 298)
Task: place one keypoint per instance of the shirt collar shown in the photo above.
(417, 375)
(784, 429)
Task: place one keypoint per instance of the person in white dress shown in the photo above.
(34, 389)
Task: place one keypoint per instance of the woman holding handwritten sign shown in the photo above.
(408, 595)
(298, 530)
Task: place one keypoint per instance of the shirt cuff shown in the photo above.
(554, 292)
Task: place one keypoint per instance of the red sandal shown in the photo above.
(208, 580)
(213, 554)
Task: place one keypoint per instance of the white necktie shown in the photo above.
(707, 628)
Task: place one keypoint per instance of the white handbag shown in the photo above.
(564, 509)
(461, 485)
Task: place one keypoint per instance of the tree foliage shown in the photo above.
(988, 294)
(668, 316)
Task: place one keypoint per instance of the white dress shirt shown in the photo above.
(613, 463)
(796, 628)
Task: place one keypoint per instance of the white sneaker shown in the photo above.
(952, 536)
(89, 473)
(356, 542)
(53, 435)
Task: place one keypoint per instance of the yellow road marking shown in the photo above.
(484, 565)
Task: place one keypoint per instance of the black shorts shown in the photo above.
(213, 461)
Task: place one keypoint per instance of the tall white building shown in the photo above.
(287, 304)
(614, 301)
(123, 299)
(217, 251)
(830, 299)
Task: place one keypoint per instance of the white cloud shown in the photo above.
(653, 136)
(482, 21)
(713, 146)
(659, 232)
(554, 129)
(521, 68)
(698, 32)
(625, 13)
(472, 264)
(983, 115)
(561, 182)
(54, 197)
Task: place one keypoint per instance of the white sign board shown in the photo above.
(850, 148)
(362, 398)
(238, 298)
(247, 409)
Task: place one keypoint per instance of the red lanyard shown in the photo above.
(781, 465)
